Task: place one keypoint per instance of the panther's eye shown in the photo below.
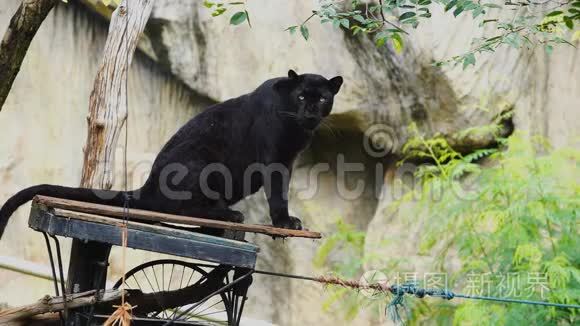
(322, 100)
(301, 97)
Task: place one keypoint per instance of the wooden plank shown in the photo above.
(171, 218)
(178, 243)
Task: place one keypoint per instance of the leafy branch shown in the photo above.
(532, 27)
(219, 8)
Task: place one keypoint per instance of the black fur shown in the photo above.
(263, 131)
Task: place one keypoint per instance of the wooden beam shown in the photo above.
(151, 216)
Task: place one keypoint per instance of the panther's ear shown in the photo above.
(292, 74)
(287, 84)
(335, 84)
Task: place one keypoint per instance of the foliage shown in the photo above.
(346, 238)
(521, 24)
(511, 226)
(515, 24)
(219, 8)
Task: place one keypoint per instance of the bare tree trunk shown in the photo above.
(21, 30)
(107, 105)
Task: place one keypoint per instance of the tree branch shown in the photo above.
(21, 30)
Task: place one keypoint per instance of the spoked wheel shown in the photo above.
(162, 277)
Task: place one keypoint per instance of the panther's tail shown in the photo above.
(105, 197)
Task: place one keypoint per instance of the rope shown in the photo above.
(125, 177)
(123, 314)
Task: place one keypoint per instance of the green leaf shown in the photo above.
(513, 40)
(381, 38)
(450, 5)
(554, 13)
(397, 42)
(424, 2)
(549, 49)
(380, 41)
(458, 10)
(208, 4)
(304, 32)
(292, 29)
(477, 12)
(238, 18)
(344, 22)
(359, 18)
(382, 34)
(336, 23)
(218, 12)
(569, 23)
(558, 39)
(468, 59)
(235, 3)
(469, 6)
(492, 5)
(407, 15)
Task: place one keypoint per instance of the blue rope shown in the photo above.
(410, 288)
(531, 302)
(399, 292)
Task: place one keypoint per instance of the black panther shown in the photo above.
(222, 155)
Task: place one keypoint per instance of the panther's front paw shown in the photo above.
(295, 223)
(289, 222)
(236, 217)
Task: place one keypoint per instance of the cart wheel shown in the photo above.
(170, 275)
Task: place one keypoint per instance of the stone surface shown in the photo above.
(210, 60)
(223, 61)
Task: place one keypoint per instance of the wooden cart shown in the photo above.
(210, 290)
